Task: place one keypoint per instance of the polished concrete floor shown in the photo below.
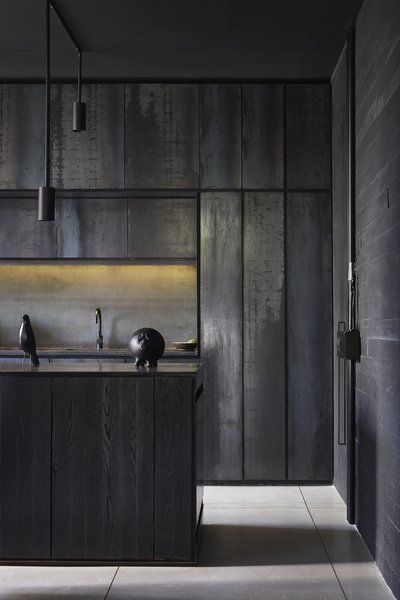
(259, 543)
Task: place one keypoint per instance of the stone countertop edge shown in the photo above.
(164, 369)
(92, 353)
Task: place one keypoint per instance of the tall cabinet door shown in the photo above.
(221, 333)
(103, 462)
(25, 437)
(264, 336)
(309, 334)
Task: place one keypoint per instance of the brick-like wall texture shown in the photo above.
(378, 260)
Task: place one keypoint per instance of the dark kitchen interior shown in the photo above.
(199, 299)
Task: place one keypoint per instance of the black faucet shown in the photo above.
(99, 338)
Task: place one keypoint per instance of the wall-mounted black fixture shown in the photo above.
(79, 107)
(47, 194)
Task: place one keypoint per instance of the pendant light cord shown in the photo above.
(47, 108)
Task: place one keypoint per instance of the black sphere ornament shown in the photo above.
(146, 346)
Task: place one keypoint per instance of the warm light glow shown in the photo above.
(61, 299)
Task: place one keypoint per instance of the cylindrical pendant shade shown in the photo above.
(79, 116)
(47, 201)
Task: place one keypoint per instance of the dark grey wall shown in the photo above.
(340, 179)
(260, 157)
(378, 267)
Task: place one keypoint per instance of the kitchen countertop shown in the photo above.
(122, 353)
(164, 369)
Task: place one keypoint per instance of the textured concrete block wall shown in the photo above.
(378, 264)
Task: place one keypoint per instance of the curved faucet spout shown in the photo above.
(99, 337)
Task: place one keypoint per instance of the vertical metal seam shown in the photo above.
(242, 284)
(199, 181)
(332, 299)
(285, 281)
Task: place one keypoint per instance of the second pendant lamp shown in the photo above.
(47, 193)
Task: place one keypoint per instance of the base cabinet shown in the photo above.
(97, 468)
(103, 468)
(25, 466)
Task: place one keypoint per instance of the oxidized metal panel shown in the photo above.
(91, 228)
(162, 227)
(93, 158)
(161, 136)
(21, 234)
(264, 336)
(263, 134)
(309, 336)
(308, 136)
(220, 136)
(221, 332)
(21, 135)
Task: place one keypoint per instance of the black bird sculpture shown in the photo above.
(27, 341)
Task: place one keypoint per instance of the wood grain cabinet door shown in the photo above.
(25, 437)
(103, 463)
(174, 491)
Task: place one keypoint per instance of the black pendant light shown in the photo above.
(79, 107)
(47, 194)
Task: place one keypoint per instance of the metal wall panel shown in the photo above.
(309, 336)
(220, 136)
(91, 228)
(21, 135)
(162, 227)
(221, 332)
(264, 336)
(93, 158)
(21, 234)
(308, 136)
(161, 136)
(263, 135)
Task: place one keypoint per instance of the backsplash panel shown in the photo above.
(61, 300)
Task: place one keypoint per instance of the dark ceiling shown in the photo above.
(178, 39)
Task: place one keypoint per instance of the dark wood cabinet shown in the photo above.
(103, 468)
(174, 469)
(25, 450)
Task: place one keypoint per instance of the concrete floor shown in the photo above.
(261, 543)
